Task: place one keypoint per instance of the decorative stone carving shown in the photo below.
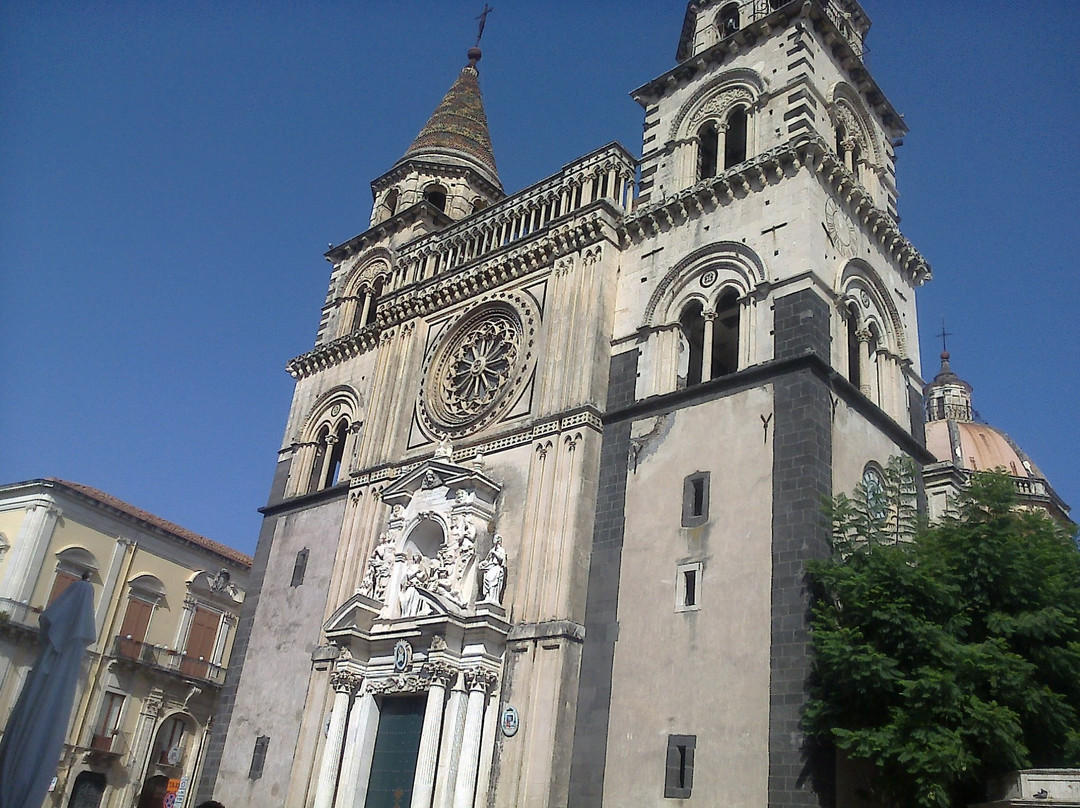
(397, 684)
(344, 681)
(377, 574)
(494, 568)
(479, 679)
(478, 365)
(719, 106)
(445, 450)
(439, 673)
(417, 576)
(437, 643)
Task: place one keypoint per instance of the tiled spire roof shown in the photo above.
(457, 131)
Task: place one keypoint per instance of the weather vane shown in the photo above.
(943, 335)
(483, 21)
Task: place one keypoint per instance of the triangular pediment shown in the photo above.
(437, 473)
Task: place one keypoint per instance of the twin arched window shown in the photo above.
(726, 143)
(329, 454)
(711, 338)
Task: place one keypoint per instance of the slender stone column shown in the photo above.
(707, 344)
(424, 781)
(324, 791)
(478, 682)
(446, 775)
(865, 363)
(28, 551)
(359, 749)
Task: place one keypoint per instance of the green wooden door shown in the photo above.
(396, 747)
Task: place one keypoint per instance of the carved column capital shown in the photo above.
(344, 681)
(863, 335)
(709, 314)
(479, 679)
(440, 673)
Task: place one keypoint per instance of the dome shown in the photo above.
(977, 447)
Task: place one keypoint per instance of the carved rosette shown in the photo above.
(479, 366)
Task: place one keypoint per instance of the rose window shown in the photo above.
(474, 368)
(479, 367)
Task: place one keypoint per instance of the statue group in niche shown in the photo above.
(449, 575)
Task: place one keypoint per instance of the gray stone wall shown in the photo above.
(601, 624)
(799, 774)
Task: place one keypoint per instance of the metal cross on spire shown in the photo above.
(943, 335)
(483, 21)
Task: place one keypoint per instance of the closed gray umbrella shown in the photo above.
(34, 736)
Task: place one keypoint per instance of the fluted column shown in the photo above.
(478, 682)
(359, 750)
(424, 780)
(446, 776)
(343, 684)
(707, 344)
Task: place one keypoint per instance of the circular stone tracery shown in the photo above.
(477, 365)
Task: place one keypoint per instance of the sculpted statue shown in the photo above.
(377, 574)
(416, 576)
(494, 568)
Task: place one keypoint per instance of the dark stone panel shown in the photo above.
(601, 602)
(223, 714)
(800, 773)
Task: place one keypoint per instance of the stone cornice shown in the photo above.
(380, 233)
(584, 227)
(771, 167)
(847, 52)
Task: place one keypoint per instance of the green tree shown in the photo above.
(946, 654)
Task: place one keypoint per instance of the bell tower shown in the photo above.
(451, 165)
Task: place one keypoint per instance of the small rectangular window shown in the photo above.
(688, 587)
(695, 505)
(299, 567)
(679, 772)
(258, 757)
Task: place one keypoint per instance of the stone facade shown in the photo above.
(166, 607)
(555, 462)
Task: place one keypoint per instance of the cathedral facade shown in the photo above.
(556, 461)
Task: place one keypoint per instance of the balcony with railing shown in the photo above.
(19, 618)
(107, 743)
(168, 661)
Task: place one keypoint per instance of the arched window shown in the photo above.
(391, 201)
(735, 138)
(170, 737)
(708, 145)
(318, 460)
(373, 300)
(337, 452)
(692, 324)
(728, 21)
(854, 375)
(72, 565)
(725, 341)
(436, 195)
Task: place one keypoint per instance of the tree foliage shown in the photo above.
(946, 654)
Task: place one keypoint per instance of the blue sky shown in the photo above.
(170, 175)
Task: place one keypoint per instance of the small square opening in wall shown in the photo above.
(695, 505)
(258, 757)
(679, 766)
(688, 587)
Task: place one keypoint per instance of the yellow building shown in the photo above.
(166, 607)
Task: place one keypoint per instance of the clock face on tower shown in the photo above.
(840, 228)
(478, 368)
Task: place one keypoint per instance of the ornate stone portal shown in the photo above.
(426, 621)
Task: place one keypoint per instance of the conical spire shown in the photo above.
(457, 131)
